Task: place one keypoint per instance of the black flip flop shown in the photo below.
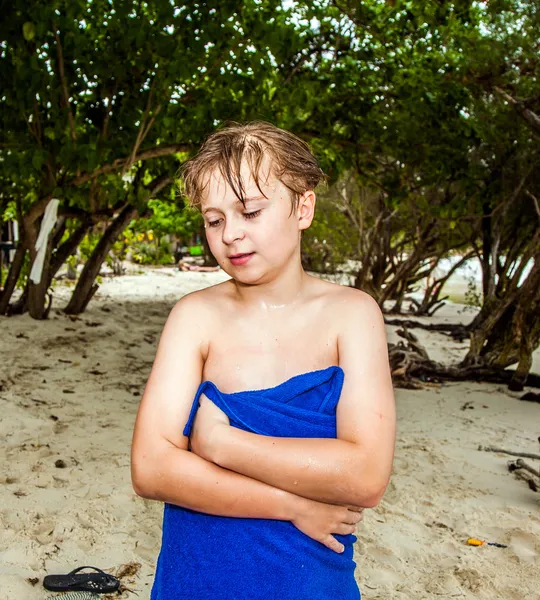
(100, 582)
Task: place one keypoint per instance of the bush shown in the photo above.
(145, 250)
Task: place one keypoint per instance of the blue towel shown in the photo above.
(207, 557)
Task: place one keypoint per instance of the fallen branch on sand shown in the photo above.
(412, 368)
(456, 331)
(524, 471)
(531, 397)
(523, 465)
(520, 468)
(510, 452)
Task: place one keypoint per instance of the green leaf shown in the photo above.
(38, 158)
(29, 31)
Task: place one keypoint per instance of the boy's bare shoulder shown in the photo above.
(343, 303)
(203, 304)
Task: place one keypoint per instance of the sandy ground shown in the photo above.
(69, 392)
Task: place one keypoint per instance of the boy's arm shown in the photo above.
(187, 480)
(353, 469)
(161, 466)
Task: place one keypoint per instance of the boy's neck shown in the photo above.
(284, 291)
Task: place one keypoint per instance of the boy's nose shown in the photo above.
(232, 231)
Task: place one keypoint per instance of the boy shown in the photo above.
(251, 514)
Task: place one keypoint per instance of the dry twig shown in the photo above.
(510, 452)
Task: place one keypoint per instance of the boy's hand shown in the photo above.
(209, 422)
(320, 521)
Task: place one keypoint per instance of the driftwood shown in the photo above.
(520, 468)
(412, 368)
(523, 465)
(533, 483)
(414, 344)
(510, 452)
(524, 471)
(531, 397)
(456, 331)
(404, 358)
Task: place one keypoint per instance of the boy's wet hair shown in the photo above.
(291, 160)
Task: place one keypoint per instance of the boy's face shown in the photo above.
(265, 231)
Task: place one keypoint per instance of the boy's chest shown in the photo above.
(246, 355)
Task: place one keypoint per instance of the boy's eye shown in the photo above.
(250, 215)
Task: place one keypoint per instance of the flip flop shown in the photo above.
(76, 596)
(100, 582)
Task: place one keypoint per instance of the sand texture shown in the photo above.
(69, 392)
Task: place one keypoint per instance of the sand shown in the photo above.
(69, 391)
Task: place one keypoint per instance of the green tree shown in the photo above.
(435, 107)
(105, 98)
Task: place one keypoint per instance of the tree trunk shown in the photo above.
(517, 333)
(68, 248)
(397, 287)
(37, 292)
(400, 292)
(431, 302)
(59, 230)
(20, 306)
(28, 236)
(86, 287)
(511, 332)
(13, 275)
(377, 255)
(486, 250)
(529, 323)
(411, 367)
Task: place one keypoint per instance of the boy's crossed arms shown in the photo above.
(320, 485)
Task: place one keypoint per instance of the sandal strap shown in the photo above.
(87, 567)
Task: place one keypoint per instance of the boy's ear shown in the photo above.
(305, 210)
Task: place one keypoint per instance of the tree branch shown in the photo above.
(63, 81)
(37, 209)
(536, 203)
(156, 152)
(532, 118)
(143, 128)
(158, 184)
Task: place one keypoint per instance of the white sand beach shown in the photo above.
(69, 392)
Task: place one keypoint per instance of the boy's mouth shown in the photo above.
(240, 259)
